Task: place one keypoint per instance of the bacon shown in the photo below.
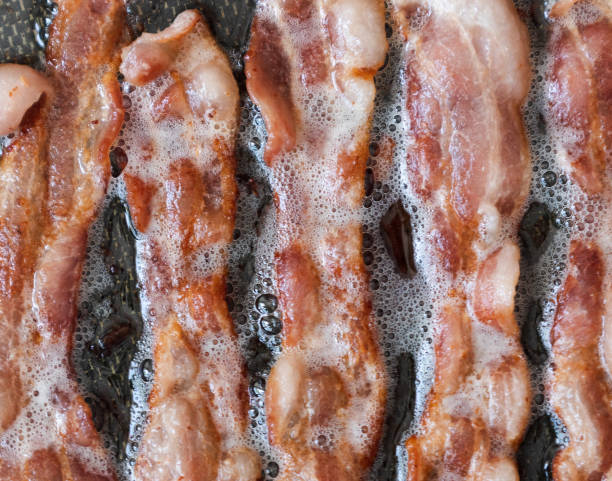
(310, 69)
(21, 192)
(182, 195)
(20, 87)
(468, 164)
(580, 389)
(580, 94)
(54, 177)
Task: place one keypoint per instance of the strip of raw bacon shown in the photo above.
(53, 177)
(580, 114)
(466, 76)
(182, 195)
(310, 69)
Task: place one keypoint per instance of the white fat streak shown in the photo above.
(481, 395)
(44, 370)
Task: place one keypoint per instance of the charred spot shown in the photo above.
(535, 231)
(396, 230)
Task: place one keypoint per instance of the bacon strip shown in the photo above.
(182, 195)
(580, 96)
(310, 69)
(52, 181)
(465, 79)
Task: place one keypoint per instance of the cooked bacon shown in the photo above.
(20, 87)
(22, 191)
(182, 194)
(580, 390)
(53, 179)
(580, 95)
(468, 164)
(310, 69)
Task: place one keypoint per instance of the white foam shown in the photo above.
(44, 373)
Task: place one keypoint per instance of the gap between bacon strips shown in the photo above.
(53, 177)
(182, 193)
(579, 94)
(310, 69)
(465, 78)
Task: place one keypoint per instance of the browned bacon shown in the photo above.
(53, 177)
(310, 69)
(182, 194)
(466, 77)
(580, 117)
